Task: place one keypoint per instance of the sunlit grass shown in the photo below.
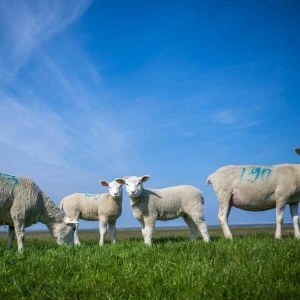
(255, 266)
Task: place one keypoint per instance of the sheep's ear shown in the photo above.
(70, 220)
(120, 180)
(104, 183)
(297, 150)
(145, 178)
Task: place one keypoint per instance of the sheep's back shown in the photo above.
(258, 185)
(175, 201)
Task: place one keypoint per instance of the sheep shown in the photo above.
(257, 188)
(23, 203)
(297, 150)
(149, 205)
(106, 208)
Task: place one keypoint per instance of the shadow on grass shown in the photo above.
(181, 239)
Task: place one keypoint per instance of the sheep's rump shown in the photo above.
(19, 196)
(251, 187)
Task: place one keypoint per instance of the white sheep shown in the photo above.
(149, 205)
(257, 188)
(105, 208)
(23, 203)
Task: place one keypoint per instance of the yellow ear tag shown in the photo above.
(71, 219)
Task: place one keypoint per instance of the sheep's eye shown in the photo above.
(109, 187)
(126, 184)
(138, 183)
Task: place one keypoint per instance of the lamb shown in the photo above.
(149, 205)
(257, 188)
(23, 203)
(106, 208)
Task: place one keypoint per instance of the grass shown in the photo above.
(253, 265)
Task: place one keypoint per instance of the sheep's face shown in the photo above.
(64, 233)
(115, 188)
(134, 185)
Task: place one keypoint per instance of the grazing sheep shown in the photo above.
(23, 203)
(257, 188)
(297, 150)
(149, 205)
(106, 208)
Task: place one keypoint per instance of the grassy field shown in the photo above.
(254, 265)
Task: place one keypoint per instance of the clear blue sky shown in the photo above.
(173, 89)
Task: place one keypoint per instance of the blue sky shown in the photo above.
(94, 90)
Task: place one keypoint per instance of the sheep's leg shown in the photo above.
(203, 229)
(295, 217)
(148, 231)
(76, 238)
(192, 226)
(199, 224)
(102, 228)
(11, 236)
(223, 215)
(112, 229)
(143, 228)
(280, 205)
(19, 229)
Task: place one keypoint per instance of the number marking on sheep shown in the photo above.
(95, 196)
(255, 174)
(10, 179)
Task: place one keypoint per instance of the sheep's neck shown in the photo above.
(136, 200)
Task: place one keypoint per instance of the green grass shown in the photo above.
(254, 266)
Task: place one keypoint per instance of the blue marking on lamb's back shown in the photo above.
(95, 196)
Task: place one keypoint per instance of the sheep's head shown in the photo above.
(133, 184)
(64, 232)
(115, 188)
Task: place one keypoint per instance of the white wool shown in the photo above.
(23, 203)
(105, 208)
(257, 188)
(149, 205)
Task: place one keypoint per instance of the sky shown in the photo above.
(94, 90)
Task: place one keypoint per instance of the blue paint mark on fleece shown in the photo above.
(95, 196)
(255, 174)
(9, 180)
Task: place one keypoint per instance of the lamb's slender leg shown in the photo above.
(295, 217)
(11, 236)
(148, 230)
(223, 215)
(280, 205)
(76, 238)
(19, 229)
(112, 229)
(143, 228)
(201, 225)
(102, 228)
(192, 226)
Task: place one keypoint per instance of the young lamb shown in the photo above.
(257, 188)
(23, 203)
(106, 208)
(149, 205)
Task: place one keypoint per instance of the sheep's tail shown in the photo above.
(208, 180)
